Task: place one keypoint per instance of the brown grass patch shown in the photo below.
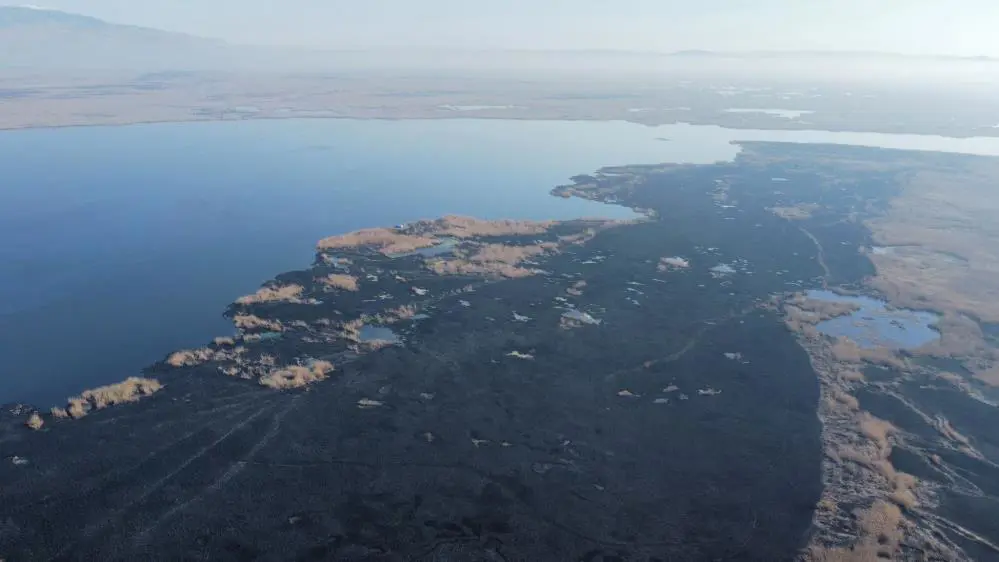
(190, 357)
(283, 293)
(580, 238)
(463, 267)
(846, 399)
(988, 375)
(796, 212)
(905, 498)
(495, 260)
(846, 350)
(129, 390)
(35, 421)
(77, 408)
(340, 281)
(393, 315)
(880, 533)
(876, 429)
(827, 310)
(468, 227)
(881, 522)
(944, 238)
(297, 376)
(501, 253)
(385, 240)
(851, 375)
(251, 322)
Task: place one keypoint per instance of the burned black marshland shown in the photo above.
(580, 390)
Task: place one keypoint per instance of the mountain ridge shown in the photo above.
(42, 38)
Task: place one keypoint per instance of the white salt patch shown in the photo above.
(475, 107)
(581, 316)
(675, 262)
(785, 113)
(722, 270)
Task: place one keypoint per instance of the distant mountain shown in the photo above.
(46, 39)
(41, 39)
(821, 55)
(16, 16)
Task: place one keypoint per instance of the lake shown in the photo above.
(125, 243)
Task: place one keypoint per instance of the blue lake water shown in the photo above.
(124, 243)
(874, 324)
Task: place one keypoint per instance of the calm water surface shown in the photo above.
(124, 243)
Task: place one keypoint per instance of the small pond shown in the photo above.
(378, 333)
(876, 324)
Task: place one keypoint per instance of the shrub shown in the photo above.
(129, 390)
(297, 376)
(35, 421)
(190, 358)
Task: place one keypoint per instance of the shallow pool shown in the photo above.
(875, 324)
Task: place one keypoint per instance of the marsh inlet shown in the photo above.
(875, 324)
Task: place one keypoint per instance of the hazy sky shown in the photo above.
(962, 27)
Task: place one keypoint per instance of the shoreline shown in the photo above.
(421, 116)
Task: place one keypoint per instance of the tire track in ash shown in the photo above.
(695, 340)
(91, 535)
(89, 485)
(235, 467)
